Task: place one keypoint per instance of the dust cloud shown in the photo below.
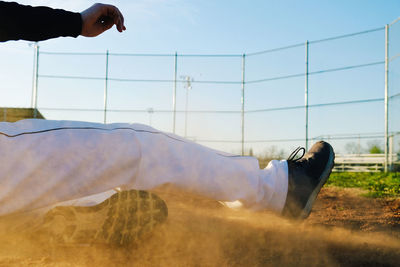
(201, 232)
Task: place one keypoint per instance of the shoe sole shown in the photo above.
(121, 220)
(323, 178)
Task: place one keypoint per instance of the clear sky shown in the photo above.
(226, 26)
(214, 27)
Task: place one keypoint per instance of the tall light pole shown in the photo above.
(188, 85)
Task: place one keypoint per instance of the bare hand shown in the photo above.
(99, 18)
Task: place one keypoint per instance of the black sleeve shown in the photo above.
(36, 23)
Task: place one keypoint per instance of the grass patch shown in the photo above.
(378, 184)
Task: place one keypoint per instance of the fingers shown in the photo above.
(99, 18)
(117, 17)
(120, 23)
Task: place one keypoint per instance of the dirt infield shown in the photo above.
(344, 229)
(345, 208)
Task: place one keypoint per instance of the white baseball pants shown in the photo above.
(45, 162)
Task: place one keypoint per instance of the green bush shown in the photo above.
(378, 184)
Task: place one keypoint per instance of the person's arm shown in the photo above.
(41, 23)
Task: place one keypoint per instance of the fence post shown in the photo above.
(35, 80)
(306, 94)
(174, 92)
(105, 90)
(390, 152)
(386, 96)
(242, 111)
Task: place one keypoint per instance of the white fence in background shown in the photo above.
(364, 162)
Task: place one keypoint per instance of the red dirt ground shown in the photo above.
(344, 207)
(344, 229)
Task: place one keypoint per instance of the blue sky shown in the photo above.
(214, 27)
(227, 26)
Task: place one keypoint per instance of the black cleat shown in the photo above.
(120, 220)
(307, 175)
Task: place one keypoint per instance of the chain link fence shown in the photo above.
(254, 103)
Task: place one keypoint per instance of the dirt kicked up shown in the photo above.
(344, 229)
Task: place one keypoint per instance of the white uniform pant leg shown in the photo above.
(45, 162)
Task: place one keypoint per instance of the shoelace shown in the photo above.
(294, 154)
